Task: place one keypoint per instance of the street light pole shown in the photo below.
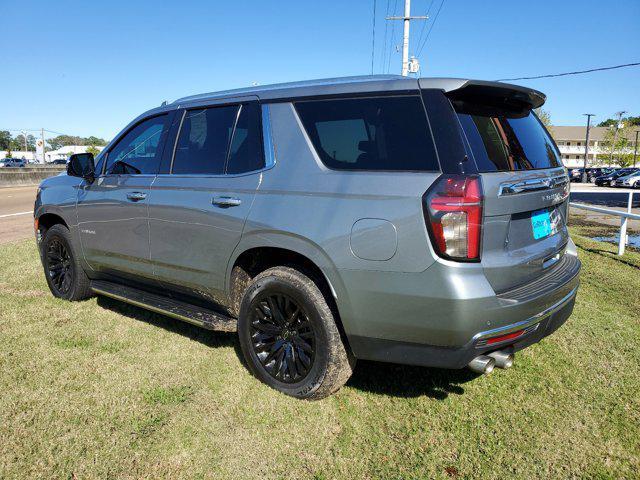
(635, 149)
(586, 147)
(615, 135)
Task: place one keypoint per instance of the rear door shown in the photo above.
(525, 186)
(199, 206)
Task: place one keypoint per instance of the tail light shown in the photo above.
(453, 207)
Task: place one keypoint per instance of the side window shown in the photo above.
(378, 133)
(138, 152)
(246, 153)
(203, 140)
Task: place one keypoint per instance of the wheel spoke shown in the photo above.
(58, 261)
(282, 337)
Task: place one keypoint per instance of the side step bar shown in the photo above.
(199, 316)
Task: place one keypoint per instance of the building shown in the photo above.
(65, 152)
(61, 153)
(571, 143)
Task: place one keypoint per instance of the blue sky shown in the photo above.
(87, 68)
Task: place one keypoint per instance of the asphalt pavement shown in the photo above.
(16, 212)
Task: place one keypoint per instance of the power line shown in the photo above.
(373, 35)
(384, 46)
(393, 29)
(435, 19)
(578, 72)
(424, 25)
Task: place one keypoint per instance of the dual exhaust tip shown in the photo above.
(486, 363)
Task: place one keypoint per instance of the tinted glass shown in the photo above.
(204, 140)
(246, 147)
(507, 143)
(138, 152)
(383, 133)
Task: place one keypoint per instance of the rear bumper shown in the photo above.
(453, 327)
(408, 353)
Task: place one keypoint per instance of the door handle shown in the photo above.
(226, 201)
(136, 196)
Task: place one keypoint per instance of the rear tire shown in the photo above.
(65, 277)
(289, 336)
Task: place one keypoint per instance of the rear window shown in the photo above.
(501, 141)
(382, 133)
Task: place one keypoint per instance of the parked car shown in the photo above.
(13, 162)
(609, 179)
(59, 161)
(629, 181)
(416, 221)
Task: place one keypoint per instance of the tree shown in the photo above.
(93, 150)
(17, 143)
(610, 122)
(545, 117)
(66, 140)
(621, 150)
(5, 140)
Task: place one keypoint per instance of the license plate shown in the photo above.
(541, 224)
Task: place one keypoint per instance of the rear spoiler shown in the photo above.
(465, 94)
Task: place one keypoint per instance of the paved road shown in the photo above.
(16, 212)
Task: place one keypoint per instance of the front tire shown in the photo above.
(65, 277)
(289, 336)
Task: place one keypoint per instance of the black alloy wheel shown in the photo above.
(59, 266)
(282, 337)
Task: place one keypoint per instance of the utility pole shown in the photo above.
(24, 135)
(405, 37)
(615, 135)
(586, 147)
(635, 149)
(42, 137)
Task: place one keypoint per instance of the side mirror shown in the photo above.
(81, 165)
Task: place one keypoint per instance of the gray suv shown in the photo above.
(415, 221)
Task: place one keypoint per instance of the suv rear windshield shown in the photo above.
(503, 141)
(381, 133)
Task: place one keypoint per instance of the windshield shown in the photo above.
(503, 141)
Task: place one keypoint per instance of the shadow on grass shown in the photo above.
(408, 381)
(375, 377)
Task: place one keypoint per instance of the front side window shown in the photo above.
(204, 140)
(381, 133)
(138, 152)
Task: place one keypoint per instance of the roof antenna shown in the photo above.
(164, 103)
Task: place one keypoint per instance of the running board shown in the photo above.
(186, 312)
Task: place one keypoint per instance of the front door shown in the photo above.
(197, 211)
(113, 209)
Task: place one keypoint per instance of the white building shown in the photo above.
(65, 152)
(571, 143)
(61, 153)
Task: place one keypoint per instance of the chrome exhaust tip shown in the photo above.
(482, 364)
(503, 359)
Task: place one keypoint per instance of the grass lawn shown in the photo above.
(102, 389)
